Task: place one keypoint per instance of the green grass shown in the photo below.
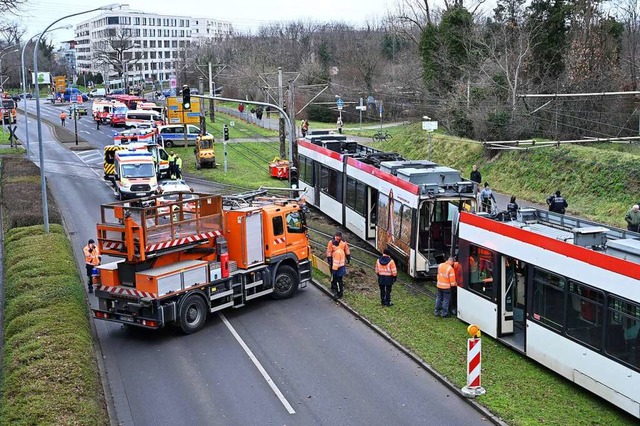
(247, 164)
(240, 130)
(49, 374)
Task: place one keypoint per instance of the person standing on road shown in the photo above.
(342, 244)
(91, 259)
(557, 203)
(446, 280)
(512, 207)
(387, 275)
(172, 165)
(485, 198)
(338, 270)
(633, 218)
(475, 175)
(63, 118)
(97, 117)
(178, 168)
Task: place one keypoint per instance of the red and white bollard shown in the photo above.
(474, 364)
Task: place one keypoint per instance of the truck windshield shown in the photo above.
(138, 170)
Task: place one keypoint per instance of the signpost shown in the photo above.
(361, 108)
(430, 127)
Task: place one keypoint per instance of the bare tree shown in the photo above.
(115, 52)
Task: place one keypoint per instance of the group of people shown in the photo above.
(339, 255)
(175, 166)
(556, 202)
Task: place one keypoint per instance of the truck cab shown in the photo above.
(135, 174)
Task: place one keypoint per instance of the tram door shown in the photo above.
(512, 301)
(372, 212)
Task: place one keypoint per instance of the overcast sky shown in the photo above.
(243, 14)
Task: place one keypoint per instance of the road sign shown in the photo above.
(430, 126)
(340, 104)
(173, 83)
(361, 108)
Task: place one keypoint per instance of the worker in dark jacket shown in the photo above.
(475, 175)
(557, 203)
(512, 208)
(387, 275)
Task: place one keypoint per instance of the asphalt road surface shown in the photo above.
(302, 361)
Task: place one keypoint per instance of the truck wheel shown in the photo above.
(193, 313)
(286, 282)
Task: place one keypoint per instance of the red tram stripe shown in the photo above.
(601, 260)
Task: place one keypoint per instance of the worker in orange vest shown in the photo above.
(338, 270)
(91, 259)
(446, 280)
(341, 243)
(387, 275)
(63, 118)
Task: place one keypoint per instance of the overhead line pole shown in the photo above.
(281, 108)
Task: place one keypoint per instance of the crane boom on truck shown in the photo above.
(182, 260)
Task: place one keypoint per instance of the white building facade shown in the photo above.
(156, 44)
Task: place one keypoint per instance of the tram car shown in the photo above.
(563, 291)
(386, 200)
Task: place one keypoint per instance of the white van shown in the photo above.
(146, 118)
(98, 93)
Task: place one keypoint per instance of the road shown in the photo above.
(320, 366)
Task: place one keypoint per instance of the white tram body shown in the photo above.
(406, 206)
(563, 291)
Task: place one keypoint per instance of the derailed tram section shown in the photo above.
(410, 207)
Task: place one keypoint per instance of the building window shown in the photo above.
(166, 44)
(113, 20)
(144, 21)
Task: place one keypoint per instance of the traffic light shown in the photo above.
(186, 97)
(293, 177)
(225, 132)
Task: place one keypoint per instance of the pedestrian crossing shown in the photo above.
(92, 158)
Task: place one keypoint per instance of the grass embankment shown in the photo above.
(599, 183)
(49, 373)
(241, 129)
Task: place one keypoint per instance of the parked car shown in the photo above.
(116, 92)
(19, 96)
(97, 92)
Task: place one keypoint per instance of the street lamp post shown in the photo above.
(24, 85)
(43, 183)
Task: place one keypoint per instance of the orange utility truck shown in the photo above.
(179, 264)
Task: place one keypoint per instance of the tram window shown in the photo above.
(396, 219)
(585, 314)
(622, 333)
(351, 193)
(548, 298)
(361, 198)
(405, 232)
(480, 271)
(330, 183)
(306, 170)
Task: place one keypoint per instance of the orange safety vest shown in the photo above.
(457, 269)
(63, 115)
(92, 258)
(343, 245)
(388, 270)
(446, 276)
(338, 258)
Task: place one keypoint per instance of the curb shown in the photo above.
(68, 139)
(415, 358)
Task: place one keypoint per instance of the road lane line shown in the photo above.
(255, 361)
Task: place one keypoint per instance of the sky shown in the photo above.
(36, 15)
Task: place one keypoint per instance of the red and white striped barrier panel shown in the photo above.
(279, 240)
(123, 291)
(474, 366)
(180, 241)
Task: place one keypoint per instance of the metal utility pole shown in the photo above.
(212, 93)
(292, 118)
(283, 150)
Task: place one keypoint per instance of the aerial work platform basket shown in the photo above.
(144, 228)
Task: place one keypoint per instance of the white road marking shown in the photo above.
(255, 361)
(108, 184)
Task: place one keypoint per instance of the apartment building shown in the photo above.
(148, 46)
